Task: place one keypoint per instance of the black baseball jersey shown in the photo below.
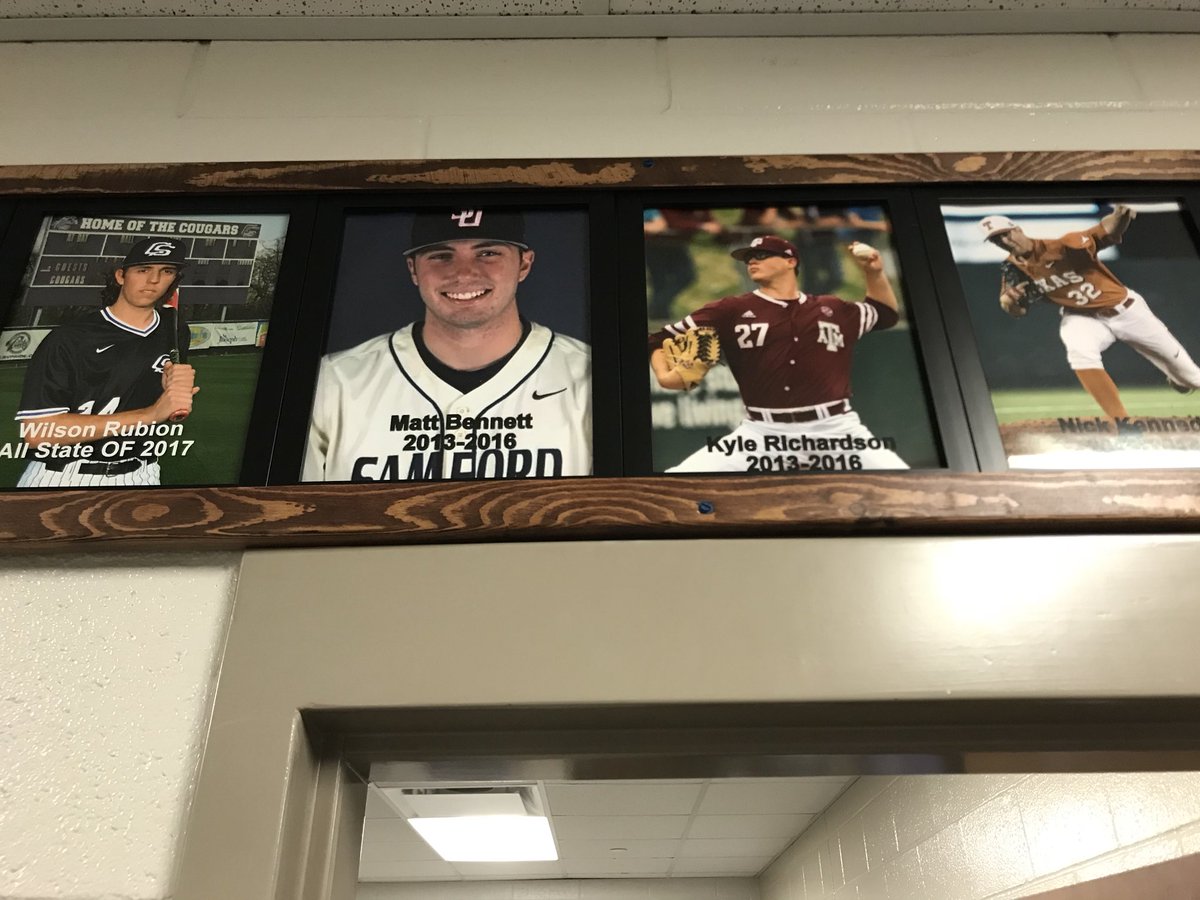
(98, 365)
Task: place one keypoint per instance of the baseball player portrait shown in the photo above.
(1095, 308)
(119, 371)
(473, 389)
(790, 354)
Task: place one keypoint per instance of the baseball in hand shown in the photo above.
(862, 251)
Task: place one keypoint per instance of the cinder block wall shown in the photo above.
(85, 816)
(999, 837)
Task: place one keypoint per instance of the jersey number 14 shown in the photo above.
(109, 408)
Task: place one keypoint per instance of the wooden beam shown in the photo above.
(602, 508)
(717, 171)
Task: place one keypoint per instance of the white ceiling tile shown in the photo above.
(441, 8)
(377, 807)
(494, 870)
(731, 847)
(406, 871)
(398, 851)
(769, 796)
(747, 826)
(391, 830)
(610, 868)
(653, 799)
(628, 827)
(473, 8)
(743, 866)
(580, 850)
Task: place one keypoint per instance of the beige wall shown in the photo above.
(66, 830)
(986, 836)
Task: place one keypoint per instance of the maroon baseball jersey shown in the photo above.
(787, 354)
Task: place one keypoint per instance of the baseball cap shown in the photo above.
(438, 226)
(776, 246)
(994, 225)
(156, 251)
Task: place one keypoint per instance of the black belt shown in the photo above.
(116, 467)
(805, 415)
(1105, 313)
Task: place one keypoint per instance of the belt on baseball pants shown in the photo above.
(812, 414)
(116, 467)
(1107, 313)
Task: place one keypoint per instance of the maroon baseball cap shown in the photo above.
(776, 246)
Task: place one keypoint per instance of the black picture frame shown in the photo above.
(6, 212)
(940, 394)
(27, 216)
(983, 423)
(317, 308)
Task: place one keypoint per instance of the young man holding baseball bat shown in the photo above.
(791, 355)
(96, 387)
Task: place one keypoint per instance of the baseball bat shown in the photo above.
(172, 303)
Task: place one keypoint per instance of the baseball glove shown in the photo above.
(692, 354)
(1018, 291)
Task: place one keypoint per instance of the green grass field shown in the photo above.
(1051, 403)
(218, 422)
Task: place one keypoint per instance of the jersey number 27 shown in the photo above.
(749, 335)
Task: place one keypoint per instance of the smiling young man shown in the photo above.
(473, 390)
(791, 355)
(96, 385)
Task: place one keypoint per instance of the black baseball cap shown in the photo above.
(439, 226)
(156, 251)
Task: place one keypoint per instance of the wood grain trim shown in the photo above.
(717, 171)
(602, 508)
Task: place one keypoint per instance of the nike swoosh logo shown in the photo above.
(102, 349)
(537, 396)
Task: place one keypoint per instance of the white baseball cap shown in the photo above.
(994, 225)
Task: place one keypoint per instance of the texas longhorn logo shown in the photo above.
(160, 248)
(468, 218)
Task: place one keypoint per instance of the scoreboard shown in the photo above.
(75, 255)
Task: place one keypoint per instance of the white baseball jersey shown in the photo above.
(84, 473)
(380, 414)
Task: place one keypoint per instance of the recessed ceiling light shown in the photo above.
(488, 838)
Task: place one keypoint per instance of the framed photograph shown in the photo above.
(781, 339)
(130, 348)
(458, 346)
(1086, 328)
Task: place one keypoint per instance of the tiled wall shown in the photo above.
(570, 889)
(1000, 837)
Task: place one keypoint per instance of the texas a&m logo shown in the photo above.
(468, 218)
(830, 334)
